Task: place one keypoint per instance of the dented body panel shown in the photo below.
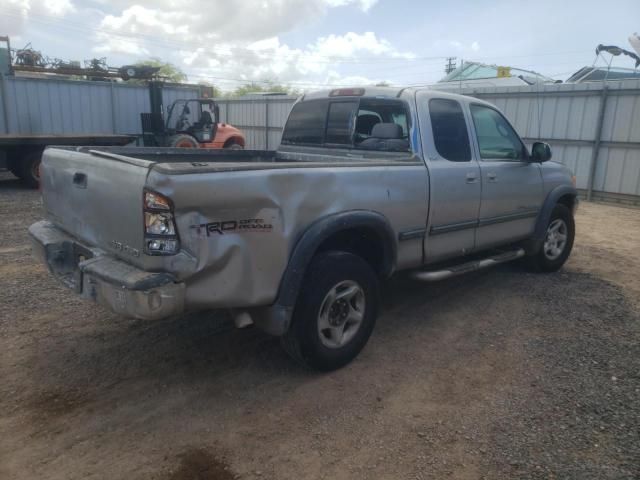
(241, 226)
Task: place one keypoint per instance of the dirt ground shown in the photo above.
(500, 374)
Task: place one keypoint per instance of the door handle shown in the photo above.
(492, 177)
(471, 178)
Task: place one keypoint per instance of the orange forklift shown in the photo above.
(189, 123)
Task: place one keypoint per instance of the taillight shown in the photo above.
(160, 233)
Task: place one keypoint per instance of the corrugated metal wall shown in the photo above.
(567, 117)
(564, 115)
(57, 106)
(260, 117)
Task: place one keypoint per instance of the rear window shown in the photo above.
(348, 122)
(306, 123)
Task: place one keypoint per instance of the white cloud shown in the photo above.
(190, 21)
(364, 5)
(15, 13)
(475, 46)
(221, 41)
(240, 42)
(270, 59)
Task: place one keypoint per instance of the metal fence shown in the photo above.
(260, 117)
(593, 129)
(53, 106)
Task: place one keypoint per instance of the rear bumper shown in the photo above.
(95, 275)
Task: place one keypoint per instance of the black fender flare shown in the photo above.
(322, 229)
(545, 213)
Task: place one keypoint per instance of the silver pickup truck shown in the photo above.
(366, 182)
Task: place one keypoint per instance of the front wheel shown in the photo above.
(558, 241)
(335, 312)
(183, 141)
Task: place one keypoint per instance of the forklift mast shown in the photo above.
(155, 97)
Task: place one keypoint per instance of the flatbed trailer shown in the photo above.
(22, 153)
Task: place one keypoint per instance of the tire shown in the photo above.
(183, 141)
(29, 169)
(548, 258)
(234, 146)
(339, 288)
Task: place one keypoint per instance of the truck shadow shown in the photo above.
(204, 350)
(111, 349)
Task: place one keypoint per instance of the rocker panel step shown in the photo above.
(467, 267)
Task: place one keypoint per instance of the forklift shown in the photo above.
(189, 123)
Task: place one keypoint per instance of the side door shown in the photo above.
(454, 178)
(512, 186)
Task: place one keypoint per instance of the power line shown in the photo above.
(257, 53)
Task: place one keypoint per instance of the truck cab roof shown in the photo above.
(388, 93)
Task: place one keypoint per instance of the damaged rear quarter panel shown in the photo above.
(233, 266)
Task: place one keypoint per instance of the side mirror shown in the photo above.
(540, 152)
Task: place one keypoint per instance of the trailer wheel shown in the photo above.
(29, 169)
(183, 141)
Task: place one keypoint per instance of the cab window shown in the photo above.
(340, 122)
(393, 131)
(306, 123)
(496, 138)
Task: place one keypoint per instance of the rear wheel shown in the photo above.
(29, 169)
(335, 312)
(183, 141)
(558, 241)
(234, 146)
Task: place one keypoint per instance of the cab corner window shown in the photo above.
(450, 134)
(496, 138)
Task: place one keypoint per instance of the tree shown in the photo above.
(268, 86)
(167, 70)
(216, 91)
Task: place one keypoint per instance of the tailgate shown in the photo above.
(96, 199)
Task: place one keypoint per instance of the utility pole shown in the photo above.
(451, 65)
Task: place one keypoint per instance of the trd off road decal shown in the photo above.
(233, 226)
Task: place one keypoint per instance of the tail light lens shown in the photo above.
(160, 233)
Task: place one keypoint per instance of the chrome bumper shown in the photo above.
(95, 275)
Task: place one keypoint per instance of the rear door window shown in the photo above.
(450, 134)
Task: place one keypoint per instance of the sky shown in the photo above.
(317, 43)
